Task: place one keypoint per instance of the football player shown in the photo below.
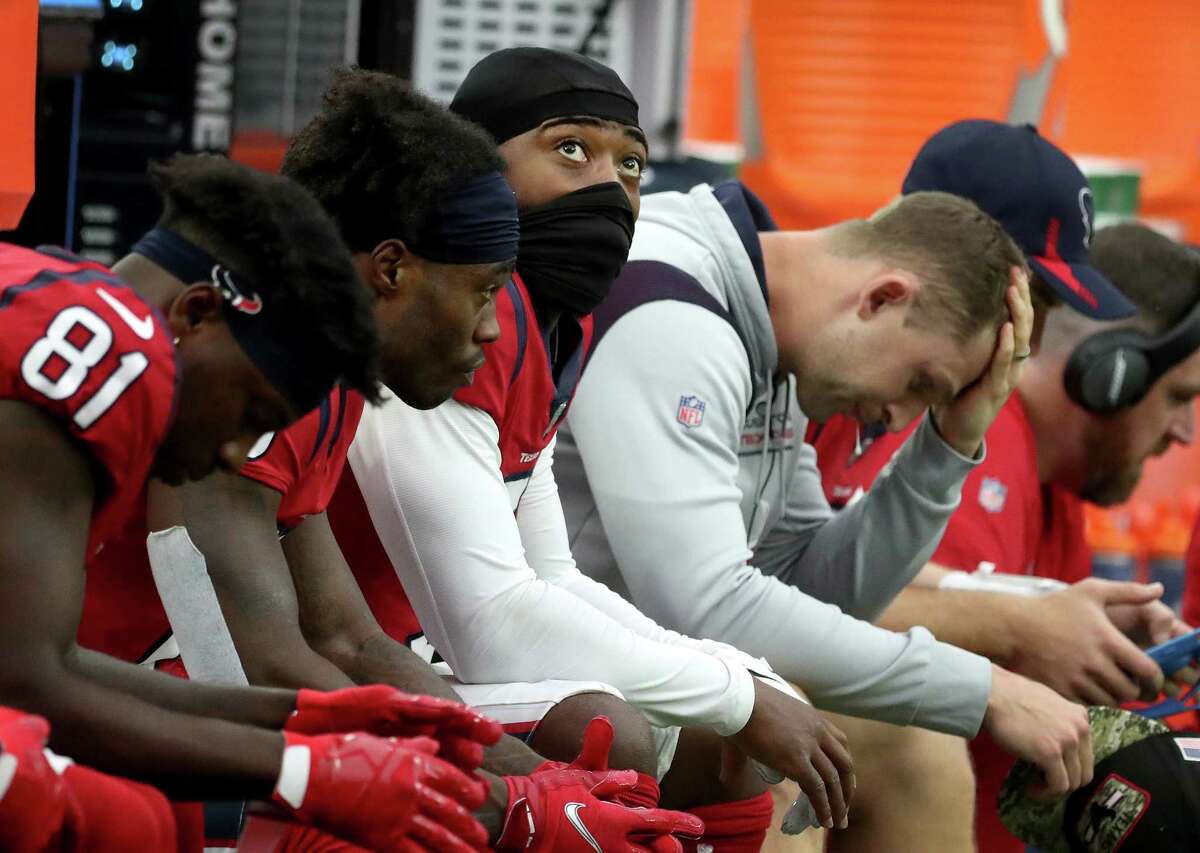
(172, 368)
(455, 508)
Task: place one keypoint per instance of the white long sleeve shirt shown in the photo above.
(489, 572)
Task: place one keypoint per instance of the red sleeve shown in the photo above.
(81, 345)
(278, 462)
(1191, 583)
(304, 462)
(274, 461)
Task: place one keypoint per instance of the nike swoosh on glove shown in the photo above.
(388, 795)
(460, 731)
(563, 811)
(576, 808)
(33, 801)
(593, 757)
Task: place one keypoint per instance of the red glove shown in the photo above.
(593, 758)
(385, 795)
(461, 732)
(563, 811)
(33, 799)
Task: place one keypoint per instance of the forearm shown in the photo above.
(862, 557)
(623, 611)
(378, 659)
(491, 813)
(669, 684)
(42, 548)
(930, 576)
(980, 622)
(293, 665)
(187, 756)
(845, 664)
(266, 708)
(480, 602)
(548, 550)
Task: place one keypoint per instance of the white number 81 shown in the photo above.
(79, 362)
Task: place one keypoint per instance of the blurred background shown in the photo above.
(819, 105)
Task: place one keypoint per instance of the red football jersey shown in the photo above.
(305, 461)
(516, 386)
(79, 344)
(122, 614)
(1006, 519)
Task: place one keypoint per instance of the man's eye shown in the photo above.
(572, 150)
(632, 166)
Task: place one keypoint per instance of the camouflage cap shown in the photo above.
(1041, 823)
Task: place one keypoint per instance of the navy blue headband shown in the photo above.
(277, 350)
(474, 223)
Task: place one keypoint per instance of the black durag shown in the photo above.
(573, 247)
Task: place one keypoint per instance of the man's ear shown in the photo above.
(386, 267)
(195, 304)
(891, 289)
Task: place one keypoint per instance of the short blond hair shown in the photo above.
(961, 255)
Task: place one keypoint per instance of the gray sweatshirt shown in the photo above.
(687, 484)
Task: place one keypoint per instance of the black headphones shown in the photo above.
(1115, 369)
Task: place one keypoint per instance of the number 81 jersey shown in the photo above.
(79, 344)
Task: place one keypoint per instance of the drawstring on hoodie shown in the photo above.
(787, 411)
(765, 466)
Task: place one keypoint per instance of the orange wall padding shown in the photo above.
(848, 91)
(719, 29)
(18, 79)
(1128, 88)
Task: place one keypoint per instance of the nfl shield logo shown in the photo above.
(992, 494)
(691, 411)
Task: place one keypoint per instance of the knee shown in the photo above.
(929, 760)
(908, 761)
(559, 736)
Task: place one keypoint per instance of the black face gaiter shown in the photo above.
(573, 248)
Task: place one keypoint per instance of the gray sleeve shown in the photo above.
(668, 498)
(861, 558)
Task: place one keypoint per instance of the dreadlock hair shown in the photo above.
(270, 229)
(378, 156)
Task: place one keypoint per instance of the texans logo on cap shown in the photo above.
(1087, 208)
(1036, 193)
